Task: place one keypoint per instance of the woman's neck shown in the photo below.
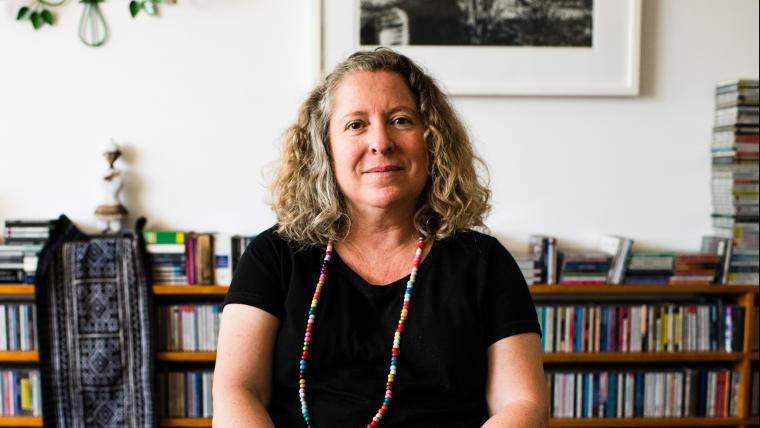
(381, 229)
(379, 248)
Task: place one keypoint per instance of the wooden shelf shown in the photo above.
(641, 357)
(159, 290)
(21, 421)
(753, 420)
(184, 422)
(644, 422)
(754, 356)
(221, 290)
(642, 289)
(19, 357)
(190, 290)
(187, 357)
(586, 422)
(17, 289)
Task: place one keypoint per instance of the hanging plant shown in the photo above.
(38, 14)
(93, 30)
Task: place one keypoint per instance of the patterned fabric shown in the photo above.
(95, 332)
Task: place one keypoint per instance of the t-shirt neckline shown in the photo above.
(393, 284)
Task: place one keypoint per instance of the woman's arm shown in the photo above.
(243, 373)
(516, 389)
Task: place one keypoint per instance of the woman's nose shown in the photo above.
(380, 140)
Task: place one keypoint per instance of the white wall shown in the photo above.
(201, 95)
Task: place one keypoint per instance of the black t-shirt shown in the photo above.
(469, 293)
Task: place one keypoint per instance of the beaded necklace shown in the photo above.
(396, 336)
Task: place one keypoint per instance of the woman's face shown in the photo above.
(377, 141)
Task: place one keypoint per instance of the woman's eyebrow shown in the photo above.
(403, 109)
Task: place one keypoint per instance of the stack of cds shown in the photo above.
(23, 242)
(27, 232)
(530, 272)
(585, 268)
(239, 244)
(650, 268)
(735, 177)
(167, 253)
(695, 268)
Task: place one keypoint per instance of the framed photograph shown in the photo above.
(496, 47)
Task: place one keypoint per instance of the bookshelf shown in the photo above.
(162, 293)
(165, 294)
(18, 293)
(740, 361)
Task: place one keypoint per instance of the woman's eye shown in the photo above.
(354, 125)
(401, 121)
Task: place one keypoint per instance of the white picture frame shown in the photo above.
(609, 68)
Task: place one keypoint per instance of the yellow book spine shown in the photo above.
(663, 329)
(678, 332)
(26, 401)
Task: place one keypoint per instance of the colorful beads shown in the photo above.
(396, 336)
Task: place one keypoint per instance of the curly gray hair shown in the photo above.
(305, 197)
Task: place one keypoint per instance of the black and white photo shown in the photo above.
(549, 23)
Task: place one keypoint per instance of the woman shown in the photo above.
(378, 180)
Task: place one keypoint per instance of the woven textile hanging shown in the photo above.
(93, 311)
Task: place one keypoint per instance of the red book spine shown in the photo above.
(584, 329)
(188, 259)
(6, 392)
(620, 329)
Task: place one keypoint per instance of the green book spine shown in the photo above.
(164, 237)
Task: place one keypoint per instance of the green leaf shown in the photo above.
(23, 13)
(134, 8)
(149, 8)
(47, 16)
(36, 20)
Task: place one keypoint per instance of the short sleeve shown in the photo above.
(258, 278)
(508, 305)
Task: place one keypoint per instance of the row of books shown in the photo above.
(18, 323)
(23, 240)
(181, 258)
(184, 394)
(188, 327)
(735, 181)
(20, 393)
(584, 268)
(686, 392)
(720, 260)
(670, 327)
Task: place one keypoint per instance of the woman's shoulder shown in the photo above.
(271, 241)
(471, 240)
(470, 245)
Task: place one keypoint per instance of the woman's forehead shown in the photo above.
(371, 90)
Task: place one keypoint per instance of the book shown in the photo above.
(741, 86)
(620, 249)
(743, 115)
(222, 259)
(737, 92)
(544, 250)
(164, 237)
(203, 258)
